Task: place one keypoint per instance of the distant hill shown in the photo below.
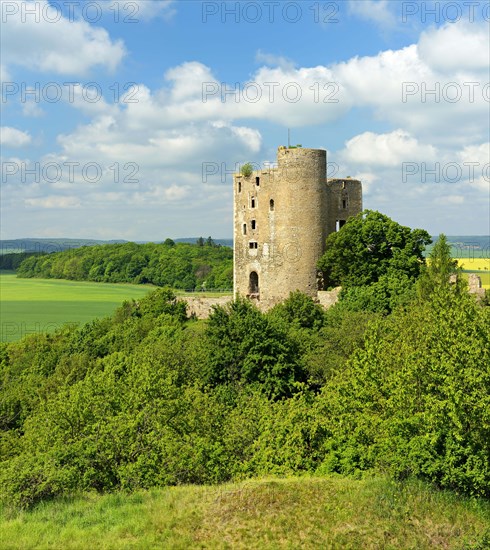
(48, 245)
(466, 246)
(463, 246)
(19, 246)
(192, 240)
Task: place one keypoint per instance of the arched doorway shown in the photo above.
(253, 285)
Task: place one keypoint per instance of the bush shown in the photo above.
(247, 347)
(247, 170)
(416, 399)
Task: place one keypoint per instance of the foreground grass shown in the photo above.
(42, 305)
(268, 513)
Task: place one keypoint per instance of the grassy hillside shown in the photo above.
(267, 513)
(38, 305)
(149, 399)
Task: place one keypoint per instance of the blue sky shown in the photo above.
(123, 119)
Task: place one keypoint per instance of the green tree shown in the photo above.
(436, 275)
(329, 349)
(415, 400)
(384, 296)
(247, 347)
(299, 310)
(179, 265)
(369, 246)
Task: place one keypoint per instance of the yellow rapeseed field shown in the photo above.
(475, 264)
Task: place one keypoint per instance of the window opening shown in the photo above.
(253, 286)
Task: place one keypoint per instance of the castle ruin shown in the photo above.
(282, 217)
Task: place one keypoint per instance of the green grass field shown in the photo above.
(484, 276)
(268, 513)
(40, 305)
(28, 306)
(480, 266)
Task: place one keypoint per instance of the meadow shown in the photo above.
(30, 306)
(484, 276)
(298, 512)
(480, 266)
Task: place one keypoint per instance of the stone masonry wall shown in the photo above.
(282, 217)
(203, 307)
(328, 298)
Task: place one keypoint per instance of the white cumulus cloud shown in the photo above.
(46, 41)
(12, 137)
(386, 149)
(53, 202)
(456, 48)
(377, 11)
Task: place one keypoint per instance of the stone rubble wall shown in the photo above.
(474, 286)
(328, 298)
(203, 307)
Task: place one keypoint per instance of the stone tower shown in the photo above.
(282, 217)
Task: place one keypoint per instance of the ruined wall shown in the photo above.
(282, 217)
(344, 201)
(280, 241)
(328, 298)
(203, 307)
(474, 286)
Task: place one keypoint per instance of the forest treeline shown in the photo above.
(12, 260)
(385, 381)
(177, 265)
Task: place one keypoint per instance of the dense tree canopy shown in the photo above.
(416, 399)
(150, 397)
(248, 347)
(369, 246)
(12, 260)
(177, 265)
